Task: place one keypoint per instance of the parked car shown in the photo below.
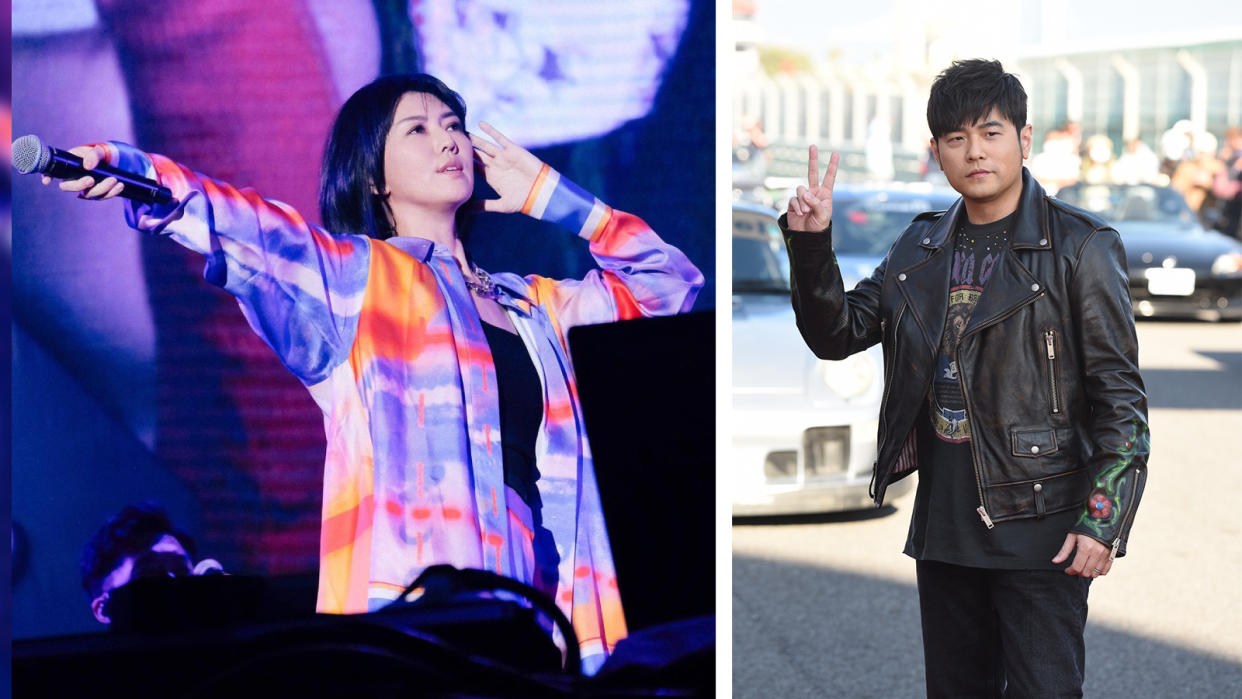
(804, 429)
(1177, 268)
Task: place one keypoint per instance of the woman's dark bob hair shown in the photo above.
(353, 161)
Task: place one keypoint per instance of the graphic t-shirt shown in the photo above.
(945, 525)
(976, 251)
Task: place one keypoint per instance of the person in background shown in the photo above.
(1195, 177)
(1098, 165)
(1058, 164)
(138, 542)
(1138, 164)
(1228, 184)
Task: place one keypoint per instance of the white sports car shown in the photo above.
(804, 429)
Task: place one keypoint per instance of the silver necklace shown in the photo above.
(481, 283)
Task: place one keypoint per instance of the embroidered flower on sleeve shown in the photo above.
(1100, 506)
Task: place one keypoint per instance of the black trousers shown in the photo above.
(1002, 633)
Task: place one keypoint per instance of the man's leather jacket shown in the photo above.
(1048, 363)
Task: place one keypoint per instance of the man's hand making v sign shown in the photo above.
(811, 208)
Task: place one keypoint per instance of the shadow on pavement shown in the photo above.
(802, 631)
(819, 517)
(1212, 389)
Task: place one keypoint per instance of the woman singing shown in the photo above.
(453, 426)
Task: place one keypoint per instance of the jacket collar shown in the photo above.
(423, 250)
(1030, 227)
(925, 283)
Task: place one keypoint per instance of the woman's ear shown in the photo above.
(98, 608)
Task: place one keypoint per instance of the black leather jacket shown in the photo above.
(1048, 363)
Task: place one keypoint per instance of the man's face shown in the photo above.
(983, 161)
(124, 572)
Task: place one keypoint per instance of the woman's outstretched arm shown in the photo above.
(300, 287)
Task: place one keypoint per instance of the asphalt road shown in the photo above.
(825, 606)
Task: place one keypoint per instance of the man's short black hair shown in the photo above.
(966, 91)
(130, 532)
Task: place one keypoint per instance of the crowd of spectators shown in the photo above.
(1207, 171)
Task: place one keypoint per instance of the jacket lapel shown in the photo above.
(925, 284)
(1012, 284)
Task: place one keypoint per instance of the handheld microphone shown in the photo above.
(31, 154)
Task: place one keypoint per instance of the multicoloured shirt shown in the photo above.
(976, 251)
(385, 336)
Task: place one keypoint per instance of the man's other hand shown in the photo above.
(1092, 557)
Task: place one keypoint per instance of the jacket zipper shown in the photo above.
(1050, 342)
(974, 451)
(888, 385)
(888, 370)
(1112, 556)
(974, 448)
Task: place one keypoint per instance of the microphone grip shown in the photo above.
(67, 166)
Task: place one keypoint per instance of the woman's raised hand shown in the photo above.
(810, 209)
(87, 187)
(509, 168)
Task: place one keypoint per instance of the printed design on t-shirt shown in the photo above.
(974, 258)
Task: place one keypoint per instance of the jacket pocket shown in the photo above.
(1033, 442)
(1039, 497)
(1054, 374)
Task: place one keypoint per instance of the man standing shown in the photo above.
(1011, 384)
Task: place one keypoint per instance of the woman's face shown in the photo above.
(428, 158)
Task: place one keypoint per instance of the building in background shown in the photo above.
(881, 70)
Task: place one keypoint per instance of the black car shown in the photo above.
(1177, 268)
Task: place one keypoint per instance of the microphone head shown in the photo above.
(31, 154)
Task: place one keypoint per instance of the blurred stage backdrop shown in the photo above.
(134, 379)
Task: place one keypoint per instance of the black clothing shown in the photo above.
(976, 251)
(1048, 361)
(945, 525)
(521, 409)
(988, 630)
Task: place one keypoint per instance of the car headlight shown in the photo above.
(849, 377)
(1227, 264)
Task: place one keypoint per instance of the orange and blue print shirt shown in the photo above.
(385, 336)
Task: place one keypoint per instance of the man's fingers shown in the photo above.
(812, 166)
(830, 176)
(1080, 563)
(795, 207)
(813, 202)
(1066, 549)
(804, 206)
